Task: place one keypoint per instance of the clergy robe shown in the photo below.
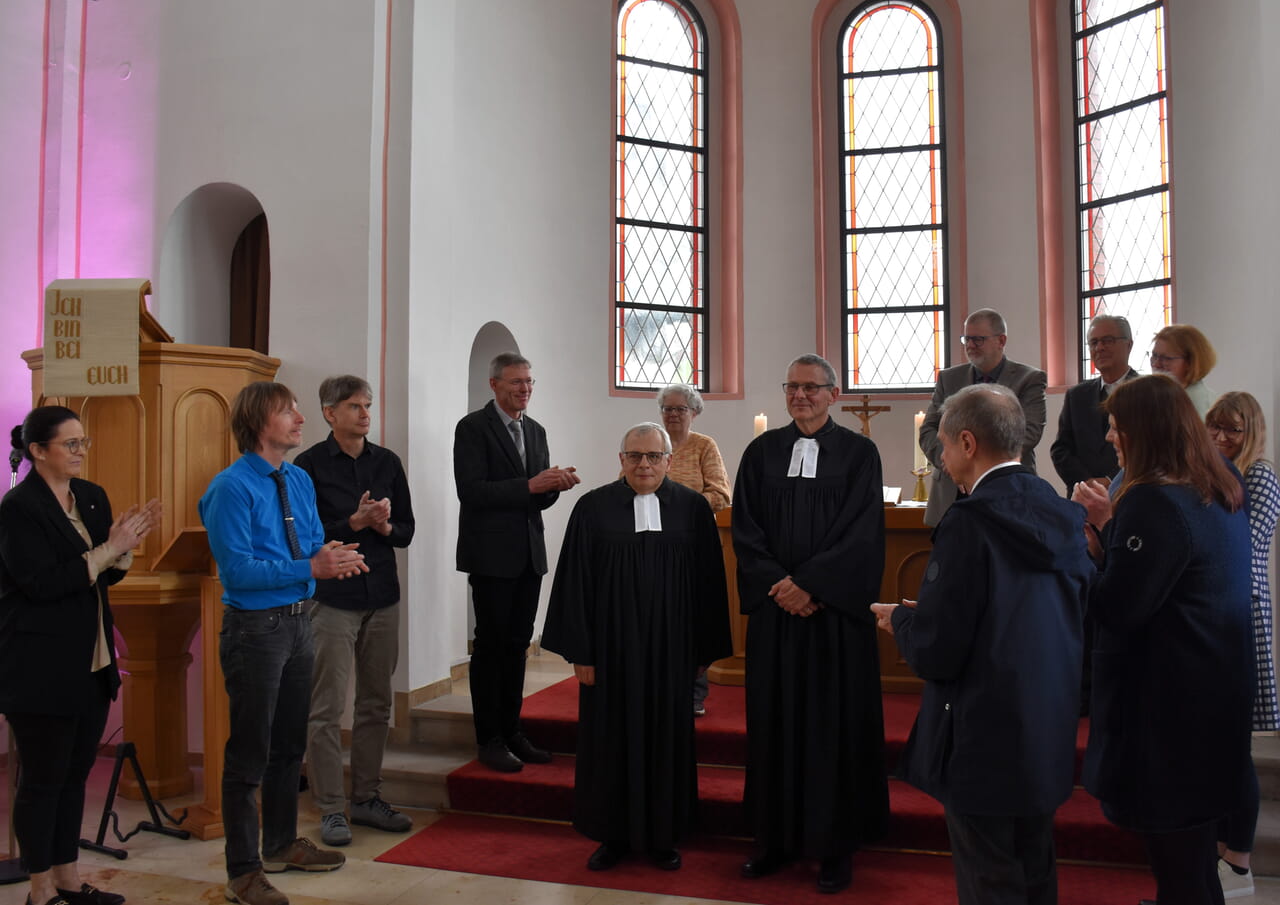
(646, 609)
(815, 726)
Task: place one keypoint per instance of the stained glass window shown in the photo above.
(892, 197)
(1122, 164)
(660, 303)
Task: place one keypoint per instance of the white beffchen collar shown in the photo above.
(648, 515)
(804, 458)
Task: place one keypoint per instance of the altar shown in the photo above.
(907, 547)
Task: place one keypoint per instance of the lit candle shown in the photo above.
(762, 424)
(918, 462)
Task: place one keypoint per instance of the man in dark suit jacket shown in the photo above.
(502, 470)
(1081, 450)
(985, 335)
(996, 635)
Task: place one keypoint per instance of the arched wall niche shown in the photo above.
(193, 280)
(491, 339)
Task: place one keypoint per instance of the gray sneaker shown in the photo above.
(334, 829)
(381, 816)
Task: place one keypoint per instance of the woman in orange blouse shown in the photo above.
(695, 463)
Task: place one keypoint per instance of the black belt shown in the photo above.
(297, 608)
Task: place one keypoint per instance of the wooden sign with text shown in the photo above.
(91, 337)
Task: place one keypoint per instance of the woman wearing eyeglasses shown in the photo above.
(1238, 428)
(1173, 662)
(695, 463)
(1185, 354)
(59, 550)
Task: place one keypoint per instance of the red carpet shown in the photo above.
(916, 821)
(554, 853)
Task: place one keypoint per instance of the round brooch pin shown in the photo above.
(1134, 543)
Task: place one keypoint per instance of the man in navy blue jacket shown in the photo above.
(996, 635)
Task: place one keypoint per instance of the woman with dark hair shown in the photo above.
(1239, 430)
(59, 550)
(1173, 663)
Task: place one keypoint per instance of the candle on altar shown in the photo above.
(762, 424)
(918, 462)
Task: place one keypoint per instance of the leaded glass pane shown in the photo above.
(661, 232)
(893, 270)
(1147, 311)
(895, 351)
(893, 197)
(1122, 165)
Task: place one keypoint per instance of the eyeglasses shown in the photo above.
(1106, 342)
(1161, 360)
(1224, 429)
(975, 340)
(527, 382)
(674, 409)
(72, 446)
(809, 389)
(635, 458)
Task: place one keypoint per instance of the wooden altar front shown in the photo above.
(166, 442)
(906, 554)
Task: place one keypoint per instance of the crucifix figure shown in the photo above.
(865, 413)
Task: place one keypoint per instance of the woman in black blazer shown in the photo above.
(1173, 663)
(59, 550)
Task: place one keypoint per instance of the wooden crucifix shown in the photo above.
(865, 412)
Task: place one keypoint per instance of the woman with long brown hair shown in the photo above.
(1173, 667)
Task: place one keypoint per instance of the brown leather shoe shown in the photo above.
(302, 854)
(254, 889)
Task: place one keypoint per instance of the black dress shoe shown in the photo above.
(762, 865)
(666, 859)
(521, 747)
(91, 895)
(607, 855)
(495, 755)
(835, 874)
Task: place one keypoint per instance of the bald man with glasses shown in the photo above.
(984, 338)
(1081, 450)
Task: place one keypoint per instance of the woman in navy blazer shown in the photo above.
(1173, 664)
(59, 550)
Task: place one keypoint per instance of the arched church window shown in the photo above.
(661, 236)
(1122, 164)
(893, 197)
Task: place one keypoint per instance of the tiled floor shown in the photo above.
(160, 870)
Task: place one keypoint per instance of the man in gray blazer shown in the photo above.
(984, 338)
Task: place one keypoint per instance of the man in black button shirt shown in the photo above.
(363, 497)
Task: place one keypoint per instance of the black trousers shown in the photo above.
(57, 752)
(1185, 864)
(1236, 830)
(267, 661)
(1003, 860)
(505, 610)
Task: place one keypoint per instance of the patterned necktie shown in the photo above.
(517, 434)
(289, 531)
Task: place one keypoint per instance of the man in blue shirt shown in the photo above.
(265, 533)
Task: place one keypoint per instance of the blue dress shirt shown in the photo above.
(241, 512)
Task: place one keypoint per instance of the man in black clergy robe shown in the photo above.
(808, 528)
(639, 608)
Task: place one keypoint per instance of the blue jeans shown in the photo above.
(267, 659)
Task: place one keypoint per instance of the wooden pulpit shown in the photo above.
(907, 546)
(168, 442)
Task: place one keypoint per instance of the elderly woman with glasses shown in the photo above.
(59, 550)
(695, 463)
(1239, 430)
(1185, 354)
(1173, 662)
